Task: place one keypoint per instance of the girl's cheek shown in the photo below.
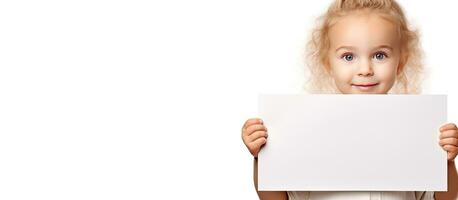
(386, 71)
(341, 65)
(343, 77)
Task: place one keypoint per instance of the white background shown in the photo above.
(145, 100)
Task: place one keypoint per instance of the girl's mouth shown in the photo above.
(364, 86)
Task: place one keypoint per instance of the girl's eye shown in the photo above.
(380, 56)
(348, 57)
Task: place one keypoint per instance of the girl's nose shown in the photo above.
(365, 69)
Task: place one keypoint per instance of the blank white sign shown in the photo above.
(352, 143)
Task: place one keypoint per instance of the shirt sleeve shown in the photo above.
(297, 195)
(424, 195)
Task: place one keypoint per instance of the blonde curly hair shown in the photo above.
(410, 70)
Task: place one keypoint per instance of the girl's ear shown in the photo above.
(401, 65)
(399, 70)
(328, 69)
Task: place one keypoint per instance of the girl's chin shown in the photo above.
(357, 91)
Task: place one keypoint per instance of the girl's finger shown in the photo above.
(447, 127)
(450, 148)
(450, 141)
(256, 135)
(449, 134)
(451, 156)
(255, 146)
(250, 122)
(452, 151)
(256, 127)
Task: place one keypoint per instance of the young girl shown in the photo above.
(362, 47)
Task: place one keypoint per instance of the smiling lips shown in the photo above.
(364, 86)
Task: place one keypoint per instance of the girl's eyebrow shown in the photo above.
(378, 47)
(384, 47)
(345, 47)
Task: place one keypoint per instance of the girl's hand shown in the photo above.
(254, 135)
(449, 140)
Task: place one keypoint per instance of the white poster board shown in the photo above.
(352, 143)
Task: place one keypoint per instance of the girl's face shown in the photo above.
(364, 54)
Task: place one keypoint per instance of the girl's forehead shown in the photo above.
(363, 29)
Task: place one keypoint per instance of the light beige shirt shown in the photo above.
(322, 195)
